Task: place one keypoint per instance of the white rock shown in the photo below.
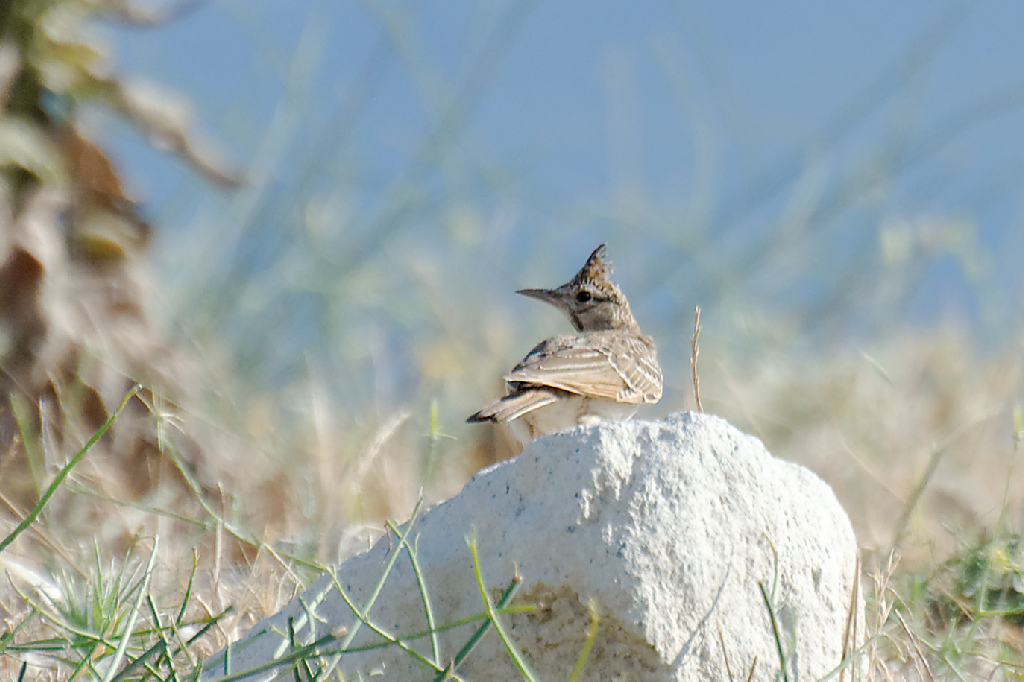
(668, 526)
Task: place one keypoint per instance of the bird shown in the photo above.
(604, 371)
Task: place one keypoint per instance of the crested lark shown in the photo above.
(605, 371)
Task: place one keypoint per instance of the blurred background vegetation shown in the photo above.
(300, 226)
(852, 231)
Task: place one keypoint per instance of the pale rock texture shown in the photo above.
(668, 526)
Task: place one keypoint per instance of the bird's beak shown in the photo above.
(550, 296)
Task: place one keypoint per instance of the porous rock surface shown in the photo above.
(667, 526)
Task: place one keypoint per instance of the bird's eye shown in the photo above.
(583, 297)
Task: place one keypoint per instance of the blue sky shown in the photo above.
(749, 154)
(769, 75)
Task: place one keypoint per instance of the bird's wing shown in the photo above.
(620, 369)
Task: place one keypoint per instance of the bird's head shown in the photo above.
(590, 300)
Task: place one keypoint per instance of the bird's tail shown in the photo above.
(515, 405)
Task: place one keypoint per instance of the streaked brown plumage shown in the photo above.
(605, 371)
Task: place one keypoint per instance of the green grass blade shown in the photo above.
(388, 639)
(122, 645)
(588, 641)
(775, 630)
(448, 672)
(188, 587)
(162, 645)
(384, 574)
(513, 650)
(63, 473)
(427, 608)
(33, 453)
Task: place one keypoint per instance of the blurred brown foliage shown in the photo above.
(75, 332)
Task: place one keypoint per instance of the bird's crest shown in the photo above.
(596, 269)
